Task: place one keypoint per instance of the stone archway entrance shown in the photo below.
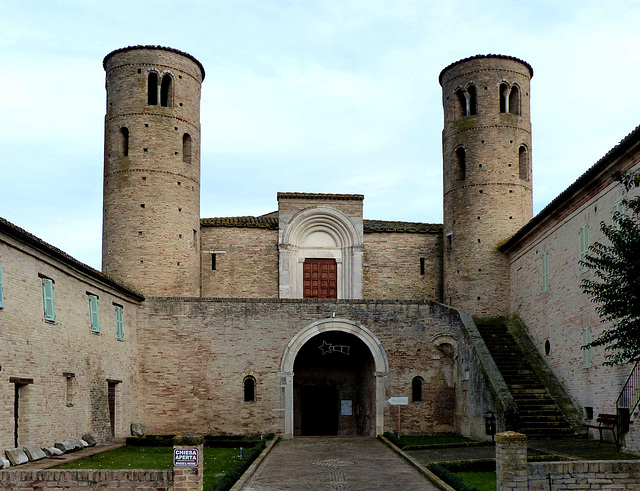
(339, 386)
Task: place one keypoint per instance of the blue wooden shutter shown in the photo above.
(1, 290)
(93, 308)
(47, 293)
(119, 324)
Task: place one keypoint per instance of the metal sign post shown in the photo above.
(399, 401)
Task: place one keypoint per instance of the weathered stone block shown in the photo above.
(4, 463)
(83, 443)
(138, 429)
(34, 452)
(87, 437)
(51, 451)
(77, 445)
(64, 446)
(16, 456)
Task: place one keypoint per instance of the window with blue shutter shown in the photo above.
(584, 245)
(47, 293)
(1, 289)
(93, 309)
(545, 271)
(119, 323)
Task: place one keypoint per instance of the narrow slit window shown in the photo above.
(514, 100)
(213, 261)
(249, 389)
(545, 271)
(584, 245)
(616, 212)
(416, 389)
(124, 142)
(461, 160)
(422, 266)
(165, 91)
(152, 89)
(186, 148)
(473, 100)
(523, 163)
(504, 98)
(1, 289)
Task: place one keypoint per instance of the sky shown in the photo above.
(328, 96)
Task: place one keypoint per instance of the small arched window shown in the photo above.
(473, 100)
(504, 98)
(249, 389)
(416, 389)
(461, 161)
(152, 89)
(186, 148)
(124, 142)
(514, 100)
(461, 104)
(165, 91)
(523, 163)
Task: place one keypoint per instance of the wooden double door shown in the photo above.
(320, 278)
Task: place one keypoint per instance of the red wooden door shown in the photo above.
(320, 278)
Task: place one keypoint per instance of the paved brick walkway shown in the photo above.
(336, 464)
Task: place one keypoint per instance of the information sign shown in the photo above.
(398, 401)
(185, 457)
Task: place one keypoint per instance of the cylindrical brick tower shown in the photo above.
(486, 145)
(151, 214)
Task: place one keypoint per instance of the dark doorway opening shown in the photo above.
(334, 387)
(111, 391)
(18, 398)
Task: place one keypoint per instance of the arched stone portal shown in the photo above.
(325, 380)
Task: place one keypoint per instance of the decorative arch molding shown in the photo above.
(380, 361)
(321, 232)
(440, 340)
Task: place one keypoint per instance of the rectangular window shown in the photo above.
(1, 289)
(620, 208)
(545, 271)
(422, 266)
(213, 261)
(93, 311)
(47, 293)
(584, 244)
(119, 323)
(586, 353)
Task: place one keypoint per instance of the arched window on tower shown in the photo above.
(165, 91)
(186, 148)
(504, 98)
(416, 389)
(523, 161)
(124, 142)
(473, 101)
(461, 104)
(461, 167)
(514, 100)
(249, 389)
(152, 89)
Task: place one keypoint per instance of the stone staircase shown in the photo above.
(539, 416)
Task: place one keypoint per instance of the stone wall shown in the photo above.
(140, 480)
(392, 267)
(61, 368)
(619, 474)
(195, 354)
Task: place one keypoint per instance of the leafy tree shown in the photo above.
(616, 283)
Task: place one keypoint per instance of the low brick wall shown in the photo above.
(618, 474)
(139, 480)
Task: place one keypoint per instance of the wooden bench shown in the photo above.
(605, 422)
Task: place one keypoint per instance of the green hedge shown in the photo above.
(451, 479)
(219, 441)
(446, 472)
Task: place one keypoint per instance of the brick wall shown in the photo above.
(246, 262)
(392, 266)
(560, 314)
(140, 480)
(620, 474)
(68, 363)
(195, 354)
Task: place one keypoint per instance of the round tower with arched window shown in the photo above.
(151, 214)
(486, 145)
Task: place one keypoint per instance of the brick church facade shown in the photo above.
(304, 321)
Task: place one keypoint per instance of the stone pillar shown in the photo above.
(188, 462)
(511, 461)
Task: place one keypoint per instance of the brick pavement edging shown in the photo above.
(254, 466)
(435, 480)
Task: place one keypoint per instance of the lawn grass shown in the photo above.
(484, 481)
(433, 440)
(217, 461)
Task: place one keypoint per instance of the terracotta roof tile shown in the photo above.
(354, 197)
